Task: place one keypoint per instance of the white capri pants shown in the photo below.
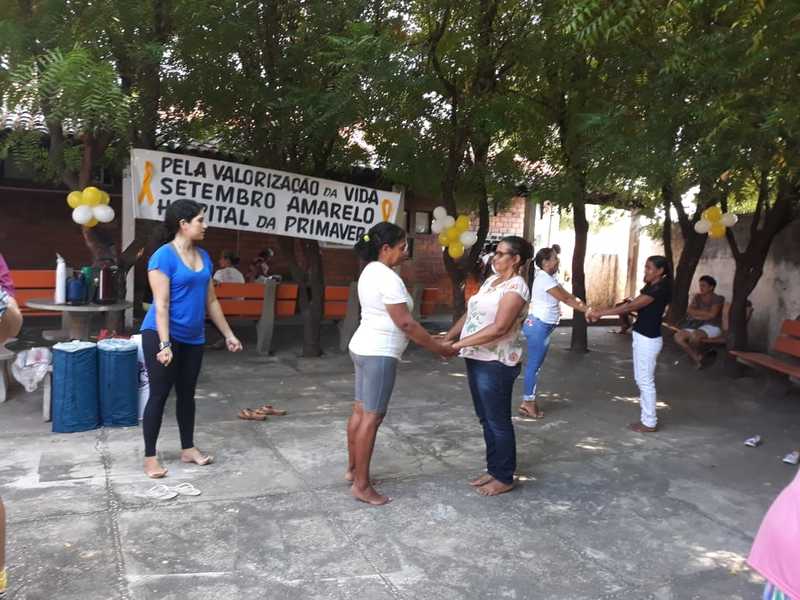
(645, 356)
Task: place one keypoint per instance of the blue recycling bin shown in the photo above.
(118, 382)
(75, 393)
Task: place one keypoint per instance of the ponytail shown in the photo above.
(368, 247)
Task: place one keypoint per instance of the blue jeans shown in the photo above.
(491, 384)
(538, 335)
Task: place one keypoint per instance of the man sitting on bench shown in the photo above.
(703, 320)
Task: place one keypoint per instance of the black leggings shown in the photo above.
(182, 372)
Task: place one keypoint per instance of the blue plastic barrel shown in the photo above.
(75, 399)
(119, 382)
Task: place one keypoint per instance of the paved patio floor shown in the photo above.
(599, 513)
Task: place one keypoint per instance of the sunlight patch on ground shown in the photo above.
(733, 562)
(592, 443)
(628, 399)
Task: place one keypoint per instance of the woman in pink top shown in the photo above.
(776, 550)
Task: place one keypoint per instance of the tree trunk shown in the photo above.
(580, 340)
(767, 223)
(667, 195)
(311, 288)
(693, 247)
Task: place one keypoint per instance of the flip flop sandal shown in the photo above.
(160, 492)
(268, 409)
(248, 414)
(529, 415)
(186, 489)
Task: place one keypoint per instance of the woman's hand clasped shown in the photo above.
(233, 344)
(164, 356)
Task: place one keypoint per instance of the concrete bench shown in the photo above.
(787, 343)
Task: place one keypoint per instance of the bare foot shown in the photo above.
(495, 488)
(370, 496)
(193, 455)
(153, 468)
(482, 480)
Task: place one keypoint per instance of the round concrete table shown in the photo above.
(75, 319)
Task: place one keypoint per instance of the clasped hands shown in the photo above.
(593, 314)
(446, 349)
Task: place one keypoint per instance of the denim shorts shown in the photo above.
(375, 377)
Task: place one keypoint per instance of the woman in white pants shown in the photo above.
(653, 298)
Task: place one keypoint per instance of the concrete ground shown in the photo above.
(599, 513)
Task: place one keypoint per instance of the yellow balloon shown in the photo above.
(106, 199)
(92, 196)
(717, 231)
(456, 250)
(443, 239)
(452, 234)
(92, 223)
(713, 214)
(462, 223)
(74, 199)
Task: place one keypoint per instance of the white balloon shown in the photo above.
(702, 226)
(82, 214)
(103, 213)
(729, 219)
(448, 221)
(437, 226)
(439, 213)
(468, 238)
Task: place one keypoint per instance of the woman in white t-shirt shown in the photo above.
(489, 342)
(227, 272)
(377, 345)
(544, 313)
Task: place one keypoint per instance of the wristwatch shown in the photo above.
(164, 345)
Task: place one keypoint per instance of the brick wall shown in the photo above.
(34, 225)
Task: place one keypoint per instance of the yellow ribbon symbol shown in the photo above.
(146, 192)
(386, 209)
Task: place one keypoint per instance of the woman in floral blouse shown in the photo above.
(490, 344)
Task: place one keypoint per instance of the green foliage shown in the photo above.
(72, 87)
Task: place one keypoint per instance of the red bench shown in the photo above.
(788, 343)
(32, 284)
(263, 303)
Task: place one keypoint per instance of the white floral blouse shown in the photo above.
(482, 311)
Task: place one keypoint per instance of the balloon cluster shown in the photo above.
(714, 222)
(90, 207)
(453, 232)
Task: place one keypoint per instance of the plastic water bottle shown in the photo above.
(60, 296)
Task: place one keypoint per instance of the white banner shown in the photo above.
(254, 199)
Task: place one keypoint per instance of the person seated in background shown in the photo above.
(227, 272)
(703, 320)
(259, 270)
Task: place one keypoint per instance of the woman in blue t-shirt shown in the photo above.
(173, 331)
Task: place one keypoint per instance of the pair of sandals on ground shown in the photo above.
(260, 414)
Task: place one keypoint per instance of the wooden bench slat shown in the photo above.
(287, 291)
(240, 290)
(765, 360)
(335, 310)
(241, 308)
(34, 279)
(788, 345)
(791, 328)
(334, 293)
(285, 308)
